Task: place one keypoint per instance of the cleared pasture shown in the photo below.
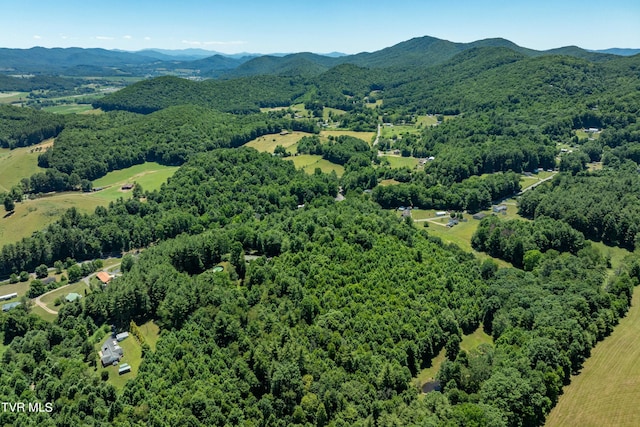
(397, 162)
(68, 108)
(607, 390)
(268, 143)
(365, 136)
(19, 163)
(150, 173)
(12, 97)
(309, 163)
(33, 215)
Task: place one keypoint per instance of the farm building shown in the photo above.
(499, 208)
(111, 352)
(104, 277)
(127, 187)
(121, 336)
(72, 297)
(479, 215)
(8, 296)
(441, 213)
(124, 368)
(9, 306)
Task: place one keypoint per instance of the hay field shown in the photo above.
(607, 391)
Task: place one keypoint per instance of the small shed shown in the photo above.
(9, 306)
(124, 368)
(499, 208)
(479, 215)
(72, 297)
(127, 187)
(8, 296)
(121, 336)
(441, 213)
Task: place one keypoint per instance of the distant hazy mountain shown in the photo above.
(417, 52)
(619, 51)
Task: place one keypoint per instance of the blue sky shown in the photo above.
(322, 26)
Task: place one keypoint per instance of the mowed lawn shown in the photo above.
(607, 391)
(397, 162)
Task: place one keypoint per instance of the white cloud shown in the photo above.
(37, 37)
(127, 37)
(103, 38)
(147, 38)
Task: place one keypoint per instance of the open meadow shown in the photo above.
(607, 390)
(36, 214)
(11, 97)
(365, 136)
(268, 143)
(19, 163)
(309, 163)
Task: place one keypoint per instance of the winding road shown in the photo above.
(85, 280)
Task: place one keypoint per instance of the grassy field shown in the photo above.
(69, 108)
(268, 143)
(33, 215)
(309, 162)
(151, 333)
(49, 300)
(581, 134)
(11, 97)
(149, 175)
(607, 391)
(18, 163)
(386, 182)
(365, 136)
(45, 315)
(398, 162)
(461, 233)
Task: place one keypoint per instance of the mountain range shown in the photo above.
(422, 51)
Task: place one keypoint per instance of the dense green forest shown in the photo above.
(21, 127)
(327, 310)
(604, 205)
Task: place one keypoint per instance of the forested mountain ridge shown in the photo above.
(420, 51)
